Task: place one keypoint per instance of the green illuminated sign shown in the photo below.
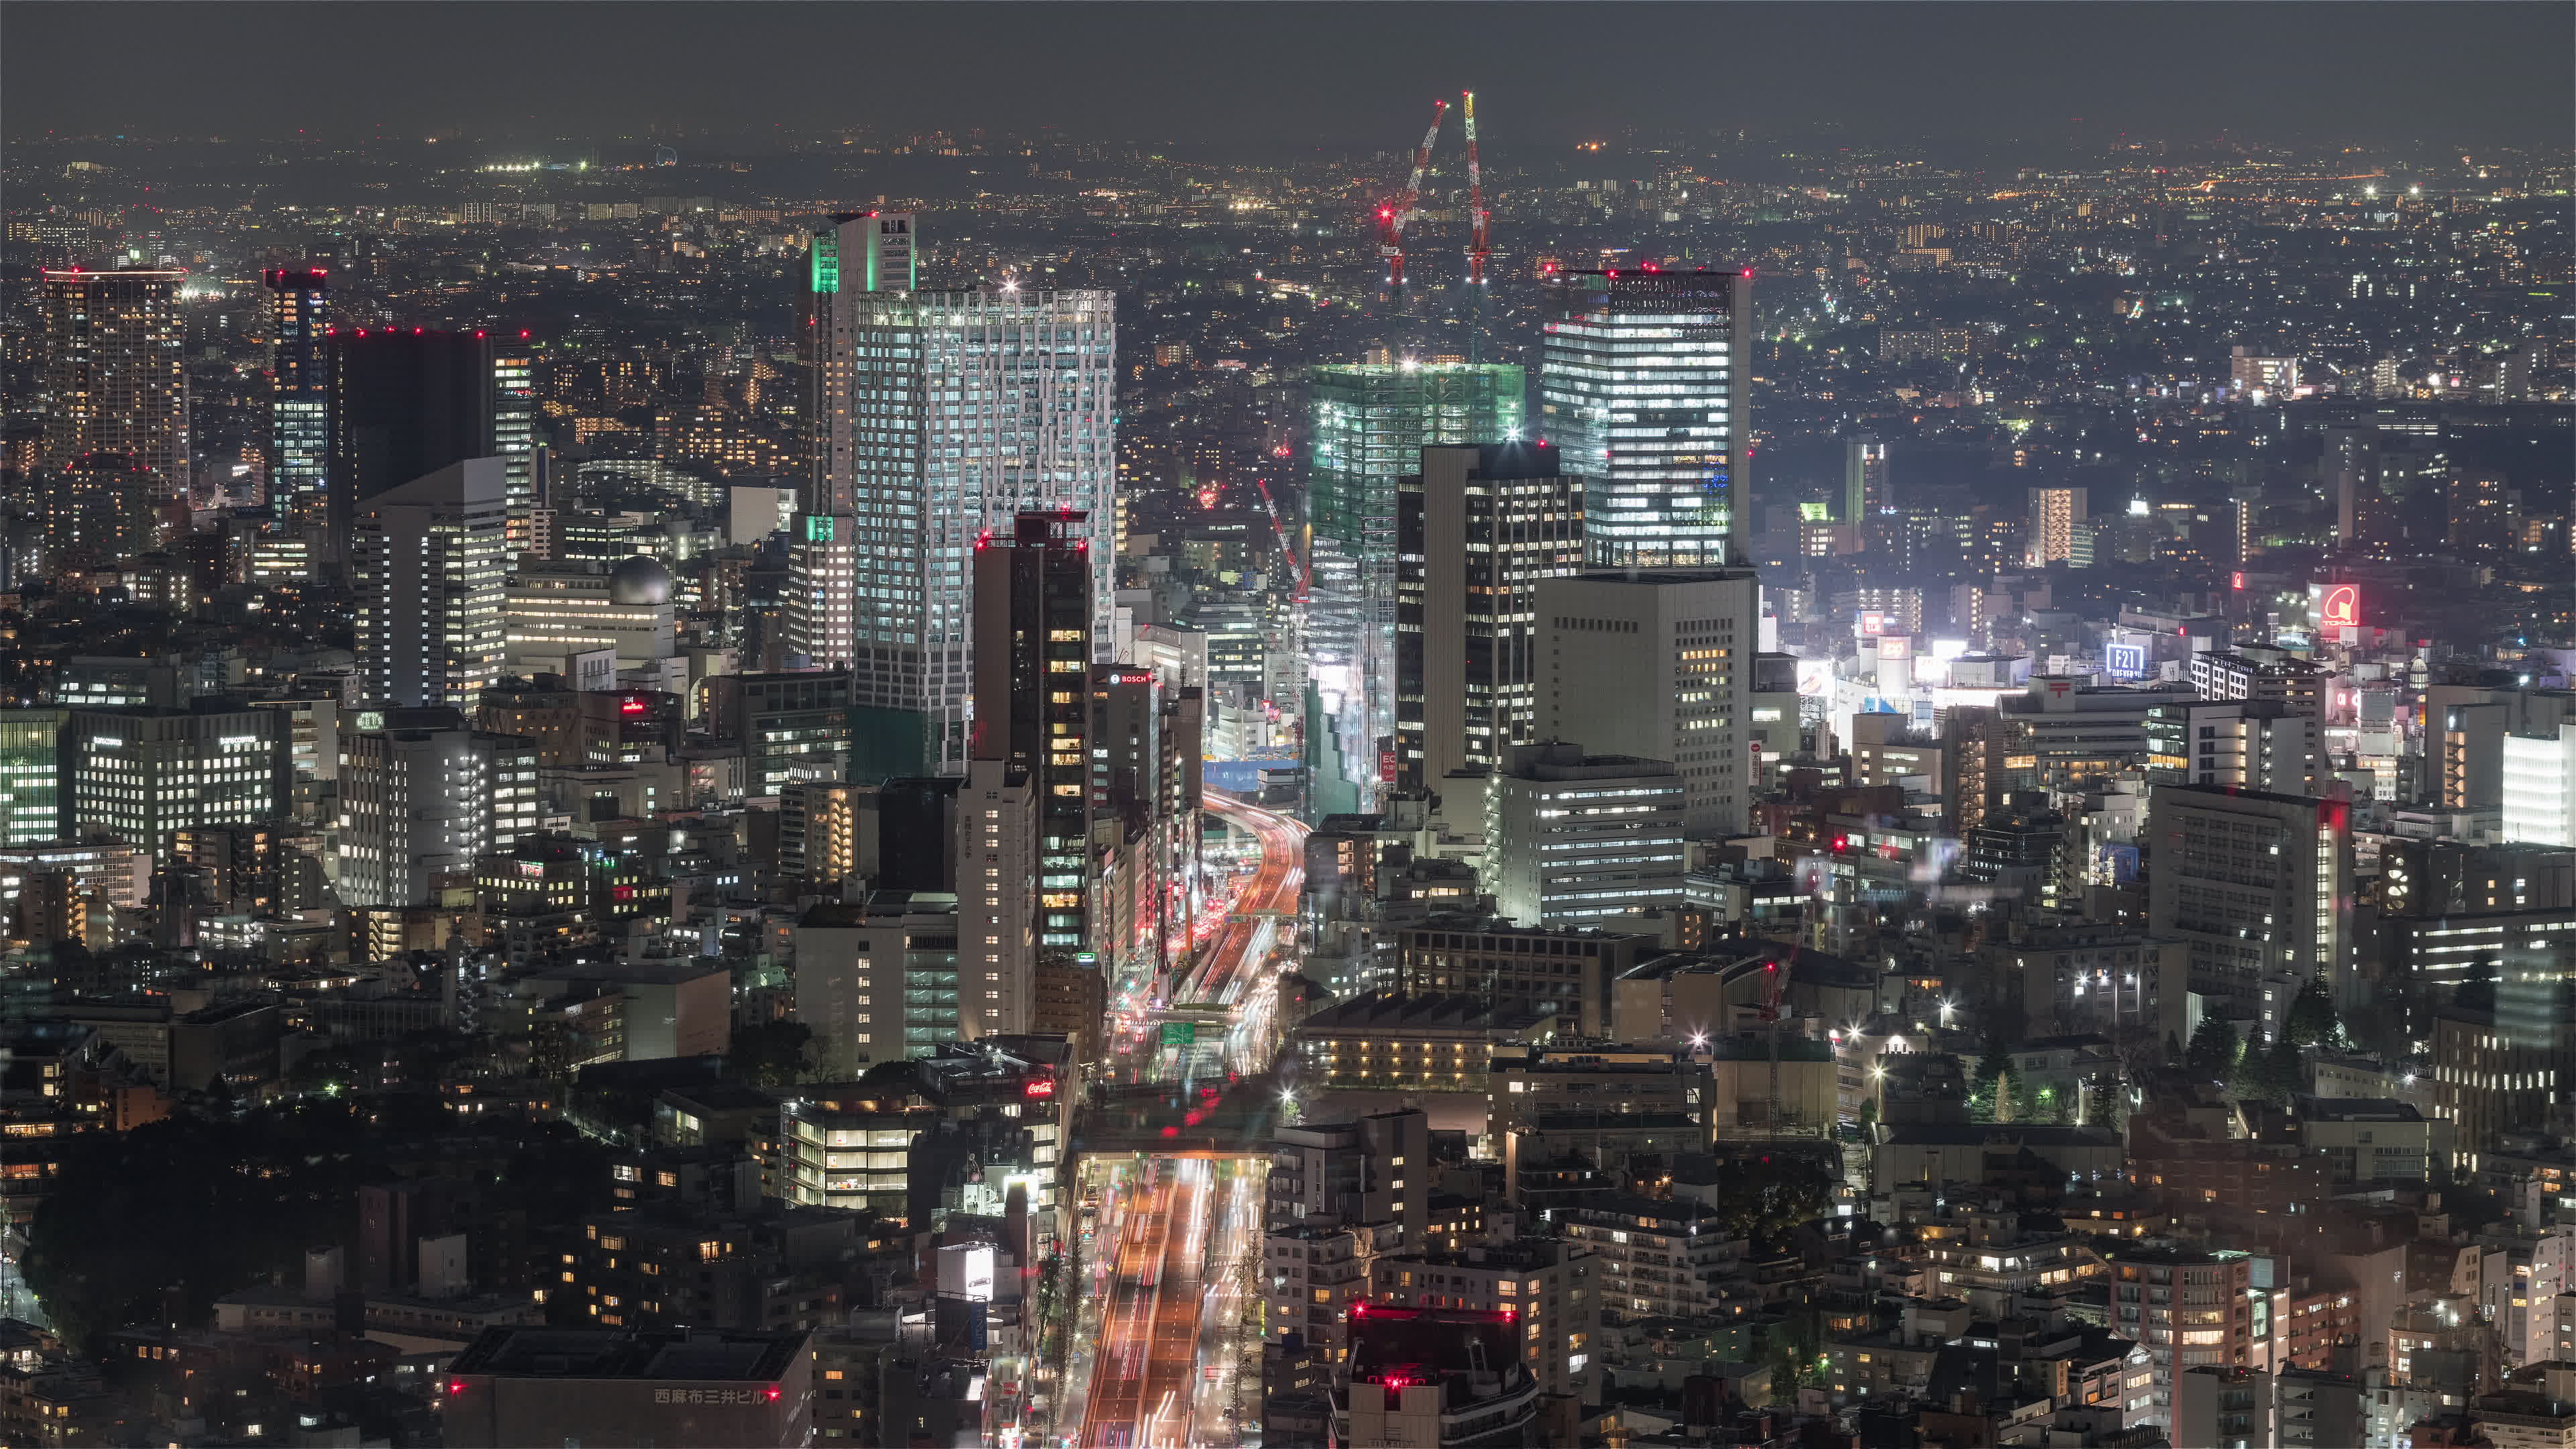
(827, 261)
(818, 529)
(1180, 1033)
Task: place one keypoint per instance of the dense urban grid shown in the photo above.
(917, 788)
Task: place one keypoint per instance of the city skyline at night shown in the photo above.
(1468, 726)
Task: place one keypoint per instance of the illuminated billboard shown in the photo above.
(2335, 606)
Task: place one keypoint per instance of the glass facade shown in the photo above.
(1644, 390)
(1370, 423)
(939, 416)
(299, 450)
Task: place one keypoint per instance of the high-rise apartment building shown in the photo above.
(1476, 530)
(1370, 1170)
(2189, 1308)
(2259, 886)
(102, 507)
(1369, 423)
(2229, 1407)
(299, 401)
(1658, 664)
(2054, 515)
(1865, 491)
(997, 917)
(426, 560)
(113, 378)
(824, 610)
(1033, 650)
(422, 798)
(937, 417)
(405, 403)
(1648, 390)
(1572, 838)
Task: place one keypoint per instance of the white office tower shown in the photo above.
(2540, 787)
(1657, 663)
(427, 559)
(1573, 838)
(419, 803)
(1646, 388)
(937, 417)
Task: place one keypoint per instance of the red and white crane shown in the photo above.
(1478, 247)
(1399, 208)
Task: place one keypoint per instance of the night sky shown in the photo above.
(2463, 75)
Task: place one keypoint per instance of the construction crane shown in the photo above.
(1399, 209)
(1305, 579)
(1479, 245)
(1479, 241)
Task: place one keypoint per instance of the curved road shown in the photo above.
(1174, 1232)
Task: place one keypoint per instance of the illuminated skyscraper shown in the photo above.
(1865, 491)
(1033, 652)
(514, 435)
(936, 418)
(422, 798)
(404, 404)
(299, 403)
(113, 378)
(1476, 530)
(1646, 390)
(426, 562)
(1371, 422)
(2054, 514)
(1657, 663)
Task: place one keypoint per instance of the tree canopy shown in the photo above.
(2213, 1048)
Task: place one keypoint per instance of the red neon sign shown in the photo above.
(2342, 607)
